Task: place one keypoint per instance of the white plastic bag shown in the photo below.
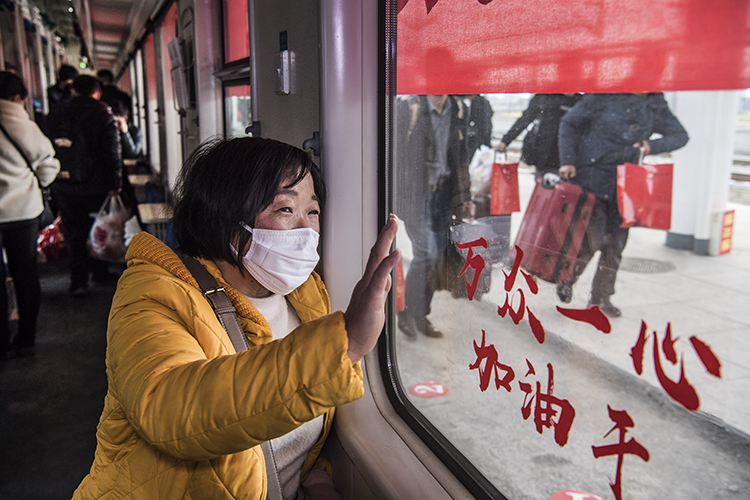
(107, 235)
(132, 227)
(480, 170)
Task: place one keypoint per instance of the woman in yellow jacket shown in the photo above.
(185, 413)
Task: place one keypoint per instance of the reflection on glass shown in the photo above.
(555, 348)
(237, 112)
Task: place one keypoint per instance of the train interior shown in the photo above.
(523, 395)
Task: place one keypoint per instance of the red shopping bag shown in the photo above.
(504, 187)
(644, 195)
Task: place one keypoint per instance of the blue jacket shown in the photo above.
(598, 134)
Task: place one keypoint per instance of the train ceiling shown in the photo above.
(99, 30)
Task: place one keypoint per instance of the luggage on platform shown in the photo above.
(553, 228)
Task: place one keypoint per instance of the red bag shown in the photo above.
(644, 195)
(504, 187)
(50, 244)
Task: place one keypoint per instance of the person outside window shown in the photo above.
(434, 187)
(601, 132)
(540, 143)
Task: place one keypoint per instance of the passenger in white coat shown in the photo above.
(25, 155)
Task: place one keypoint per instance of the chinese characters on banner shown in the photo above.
(551, 411)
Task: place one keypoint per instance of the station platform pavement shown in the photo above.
(698, 295)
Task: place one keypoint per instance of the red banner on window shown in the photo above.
(553, 46)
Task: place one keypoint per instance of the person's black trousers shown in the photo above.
(605, 234)
(77, 219)
(18, 238)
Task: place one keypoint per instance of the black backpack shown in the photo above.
(69, 140)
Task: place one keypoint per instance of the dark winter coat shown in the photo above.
(480, 123)
(416, 147)
(102, 137)
(598, 134)
(540, 143)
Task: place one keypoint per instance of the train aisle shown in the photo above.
(50, 403)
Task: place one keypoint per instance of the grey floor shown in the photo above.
(50, 403)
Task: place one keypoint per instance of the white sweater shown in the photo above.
(20, 198)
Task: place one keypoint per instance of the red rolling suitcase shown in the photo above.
(552, 230)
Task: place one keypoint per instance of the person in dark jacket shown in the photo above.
(540, 143)
(92, 122)
(61, 91)
(479, 130)
(111, 94)
(601, 132)
(433, 186)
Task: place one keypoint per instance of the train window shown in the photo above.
(7, 34)
(153, 120)
(167, 31)
(139, 95)
(570, 306)
(236, 30)
(237, 112)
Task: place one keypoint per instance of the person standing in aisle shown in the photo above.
(26, 162)
(87, 142)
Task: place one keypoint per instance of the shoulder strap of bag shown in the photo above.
(227, 315)
(25, 158)
(219, 301)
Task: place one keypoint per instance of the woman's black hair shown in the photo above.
(226, 182)
(11, 85)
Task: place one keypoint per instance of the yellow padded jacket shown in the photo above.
(184, 413)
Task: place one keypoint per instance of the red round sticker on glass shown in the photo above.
(574, 495)
(428, 389)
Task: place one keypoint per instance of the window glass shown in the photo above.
(237, 113)
(10, 43)
(571, 301)
(236, 31)
(171, 117)
(153, 120)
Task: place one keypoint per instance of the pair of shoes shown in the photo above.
(565, 292)
(105, 279)
(606, 307)
(406, 324)
(424, 326)
(79, 292)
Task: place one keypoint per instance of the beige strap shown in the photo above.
(227, 315)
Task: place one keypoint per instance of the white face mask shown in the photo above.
(281, 260)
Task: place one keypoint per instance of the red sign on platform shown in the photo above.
(428, 389)
(726, 233)
(574, 495)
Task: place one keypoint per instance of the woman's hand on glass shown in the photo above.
(365, 315)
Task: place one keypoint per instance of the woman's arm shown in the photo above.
(195, 408)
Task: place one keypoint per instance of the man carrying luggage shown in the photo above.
(601, 132)
(434, 182)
